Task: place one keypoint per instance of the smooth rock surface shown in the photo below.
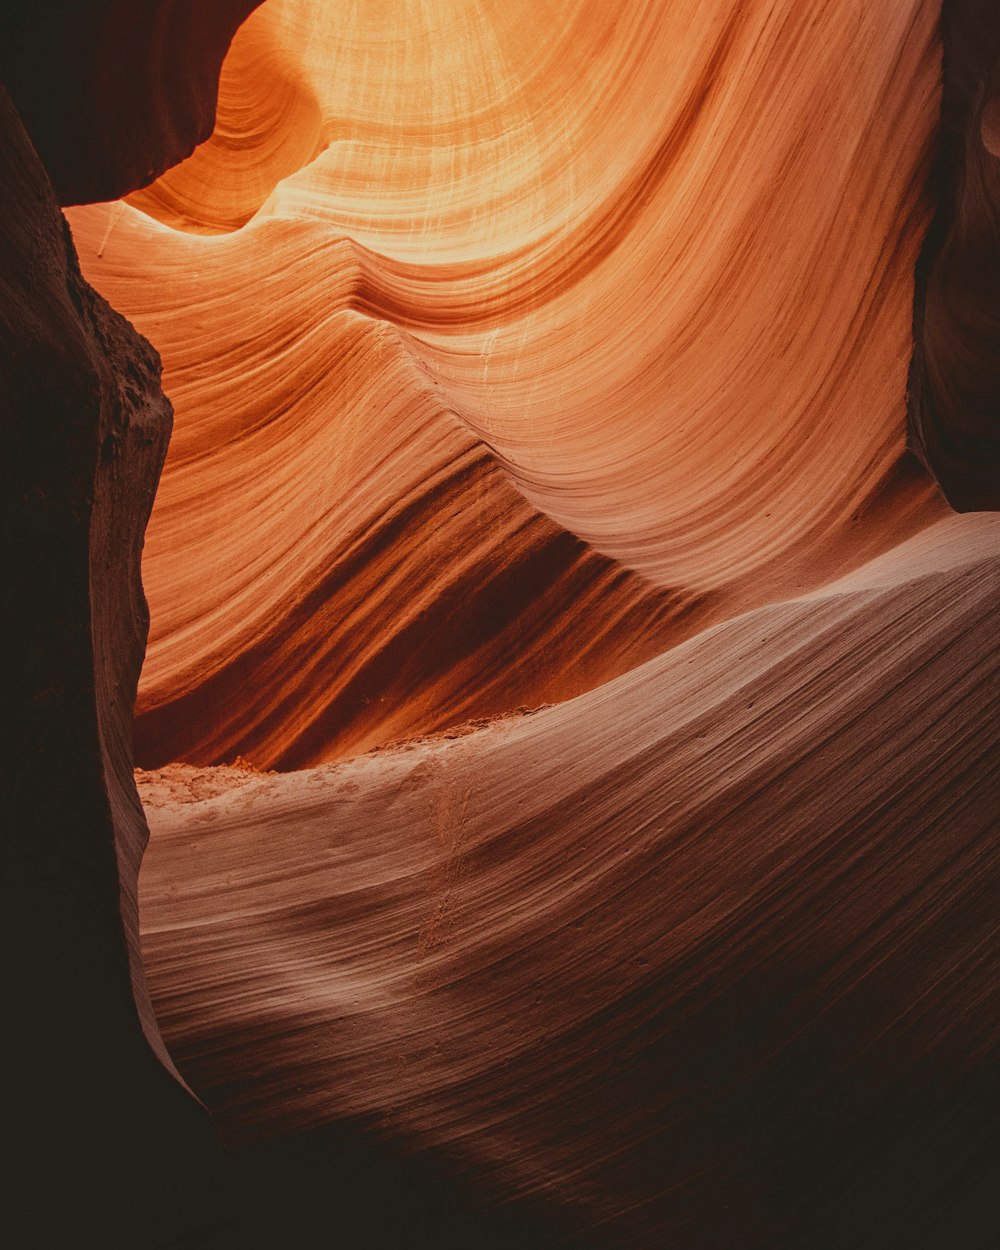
(704, 958)
(577, 327)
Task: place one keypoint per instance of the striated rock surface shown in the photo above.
(955, 375)
(540, 374)
(613, 272)
(362, 567)
(703, 958)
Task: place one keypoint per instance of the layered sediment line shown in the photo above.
(540, 380)
(361, 567)
(754, 876)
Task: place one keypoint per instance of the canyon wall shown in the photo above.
(100, 1133)
(539, 501)
(510, 346)
(114, 92)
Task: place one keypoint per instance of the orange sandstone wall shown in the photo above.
(453, 280)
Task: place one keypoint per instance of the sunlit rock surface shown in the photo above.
(641, 272)
(539, 505)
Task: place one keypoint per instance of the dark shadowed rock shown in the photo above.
(113, 92)
(955, 372)
(102, 1134)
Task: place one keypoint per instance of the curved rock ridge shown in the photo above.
(113, 92)
(260, 137)
(656, 259)
(725, 925)
(524, 353)
(955, 374)
(361, 567)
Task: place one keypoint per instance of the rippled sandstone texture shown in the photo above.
(639, 272)
(704, 958)
(523, 353)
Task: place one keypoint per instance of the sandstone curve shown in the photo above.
(542, 501)
(710, 404)
(755, 876)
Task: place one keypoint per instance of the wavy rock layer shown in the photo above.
(955, 375)
(532, 353)
(724, 927)
(360, 566)
(639, 272)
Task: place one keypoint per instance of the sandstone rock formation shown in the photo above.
(493, 302)
(700, 957)
(99, 1132)
(538, 502)
(91, 1102)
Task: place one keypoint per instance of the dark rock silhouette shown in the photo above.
(113, 92)
(94, 1119)
(955, 371)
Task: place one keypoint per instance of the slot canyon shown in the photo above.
(502, 731)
